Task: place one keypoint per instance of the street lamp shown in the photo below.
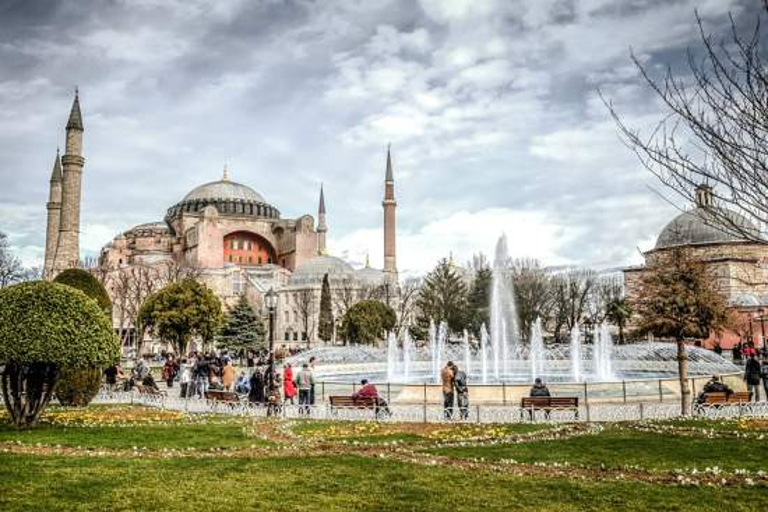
(761, 312)
(270, 300)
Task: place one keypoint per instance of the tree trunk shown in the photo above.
(27, 389)
(682, 369)
(621, 334)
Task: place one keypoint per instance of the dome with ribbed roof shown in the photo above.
(224, 189)
(228, 197)
(698, 227)
(312, 271)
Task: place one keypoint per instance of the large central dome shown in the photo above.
(698, 226)
(224, 189)
(228, 197)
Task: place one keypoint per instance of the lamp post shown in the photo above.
(761, 312)
(270, 299)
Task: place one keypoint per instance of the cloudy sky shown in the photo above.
(491, 107)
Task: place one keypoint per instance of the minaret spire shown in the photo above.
(390, 218)
(67, 252)
(225, 174)
(322, 227)
(54, 217)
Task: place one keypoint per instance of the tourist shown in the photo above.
(752, 376)
(304, 381)
(186, 378)
(714, 385)
(764, 376)
(170, 369)
(201, 376)
(228, 375)
(446, 377)
(140, 371)
(242, 386)
(462, 392)
(736, 352)
(718, 349)
(312, 386)
(112, 375)
(149, 382)
(256, 393)
(539, 388)
(368, 390)
(289, 389)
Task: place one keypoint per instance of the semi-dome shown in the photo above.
(224, 189)
(370, 276)
(698, 226)
(312, 271)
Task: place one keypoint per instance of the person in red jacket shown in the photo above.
(368, 390)
(289, 388)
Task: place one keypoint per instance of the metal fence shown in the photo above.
(431, 413)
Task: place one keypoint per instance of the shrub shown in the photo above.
(47, 328)
(367, 321)
(86, 283)
(78, 386)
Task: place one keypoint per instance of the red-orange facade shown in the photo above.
(247, 249)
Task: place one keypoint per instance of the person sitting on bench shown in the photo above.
(368, 390)
(539, 389)
(713, 386)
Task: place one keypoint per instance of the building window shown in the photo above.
(295, 336)
(230, 258)
(250, 259)
(287, 316)
(259, 260)
(287, 336)
(304, 336)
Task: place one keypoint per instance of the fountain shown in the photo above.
(392, 356)
(576, 354)
(499, 357)
(503, 312)
(536, 353)
(602, 354)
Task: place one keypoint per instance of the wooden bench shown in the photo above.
(222, 396)
(737, 397)
(150, 392)
(348, 402)
(548, 404)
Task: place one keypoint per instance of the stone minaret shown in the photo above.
(68, 252)
(322, 227)
(54, 216)
(390, 206)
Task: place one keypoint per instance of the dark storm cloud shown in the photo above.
(490, 106)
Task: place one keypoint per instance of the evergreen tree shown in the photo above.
(479, 300)
(325, 328)
(367, 322)
(443, 297)
(243, 329)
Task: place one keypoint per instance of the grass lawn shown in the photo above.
(237, 464)
(616, 448)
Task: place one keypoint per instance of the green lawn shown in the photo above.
(340, 483)
(616, 448)
(347, 466)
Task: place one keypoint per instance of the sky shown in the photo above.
(491, 108)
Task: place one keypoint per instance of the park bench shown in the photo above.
(150, 392)
(737, 397)
(549, 404)
(348, 402)
(222, 396)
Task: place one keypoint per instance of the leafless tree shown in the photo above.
(11, 270)
(406, 311)
(305, 304)
(533, 293)
(345, 295)
(570, 294)
(715, 128)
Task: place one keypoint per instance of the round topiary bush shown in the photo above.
(46, 329)
(78, 386)
(88, 284)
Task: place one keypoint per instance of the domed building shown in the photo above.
(223, 233)
(738, 265)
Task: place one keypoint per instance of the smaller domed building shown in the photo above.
(738, 265)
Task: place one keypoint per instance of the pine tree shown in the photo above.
(443, 298)
(243, 329)
(325, 327)
(479, 300)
